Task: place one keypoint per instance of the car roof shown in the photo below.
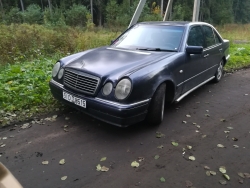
(174, 23)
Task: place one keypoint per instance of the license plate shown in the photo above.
(73, 99)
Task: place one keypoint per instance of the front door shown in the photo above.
(195, 66)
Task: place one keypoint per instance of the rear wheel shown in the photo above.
(219, 72)
(156, 108)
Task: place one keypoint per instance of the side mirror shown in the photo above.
(194, 49)
(112, 41)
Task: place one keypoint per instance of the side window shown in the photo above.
(217, 38)
(209, 36)
(195, 37)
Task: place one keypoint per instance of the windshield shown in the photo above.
(151, 37)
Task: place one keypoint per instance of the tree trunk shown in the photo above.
(2, 11)
(21, 1)
(91, 7)
(50, 7)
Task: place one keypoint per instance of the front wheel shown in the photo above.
(219, 72)
(156, 108)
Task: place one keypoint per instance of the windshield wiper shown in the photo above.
(156, 49)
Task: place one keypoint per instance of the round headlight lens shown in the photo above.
(107, 88)
(123, 89)
(56, 69)
(60, 74)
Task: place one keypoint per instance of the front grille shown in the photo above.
(80, 81)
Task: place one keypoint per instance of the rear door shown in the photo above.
(212, 51)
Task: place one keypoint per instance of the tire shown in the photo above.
(219, 72)
(157, 105)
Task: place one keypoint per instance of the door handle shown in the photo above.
(220, 49)
(206, 55)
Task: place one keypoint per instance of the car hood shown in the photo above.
(114, 62)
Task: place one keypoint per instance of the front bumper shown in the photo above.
(118, 114)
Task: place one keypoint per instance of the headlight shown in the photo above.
(123, 89)
(56, 69)
(60, 74)
(107, 88)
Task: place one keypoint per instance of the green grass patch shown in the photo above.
(240, 57)
(24, 90)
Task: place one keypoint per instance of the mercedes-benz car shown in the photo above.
(149, 65)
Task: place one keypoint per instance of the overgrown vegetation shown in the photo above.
(24, 42)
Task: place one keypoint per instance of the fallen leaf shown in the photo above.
(226, 132)
(207, 110)
(184, 122)
(208, 173)
(98, 167)
(197, 131)
(67, 118)
(64, 178)
(11, 136)
(62, 162)
(240, 181)
(212, 173)
(162, 179)
(223, 182)
(235, 139)
(207, 115)
(189, 183)
(135, 164)
(160, 147)
(247, 175)
(66, 130)
(220, 146)
(204, 136)
(159, 135)
(26, 126)
(230, 128)
(198, 126)
(175, 144)
(222, 169)
(188, 115)
(65, 126)
(157, 157)
(4, 138)
(194, 123)
(103, 159)
(104, 169)
(207, 167)
(45, 162)
(222, 120)
(192, 158)
(241, 174)
(235, 146)
(226, 176)
(140, 159)
(189, 147)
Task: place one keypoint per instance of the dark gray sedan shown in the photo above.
(151, 64)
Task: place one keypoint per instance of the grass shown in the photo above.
(28, 53)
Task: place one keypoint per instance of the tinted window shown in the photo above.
(209, 36)
(151, 36)
(217, 38)
(195, 37)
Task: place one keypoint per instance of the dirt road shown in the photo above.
(85, 141)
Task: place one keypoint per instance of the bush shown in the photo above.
(54, 18)
(33, 15)
(13, 16)
(76, 15)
